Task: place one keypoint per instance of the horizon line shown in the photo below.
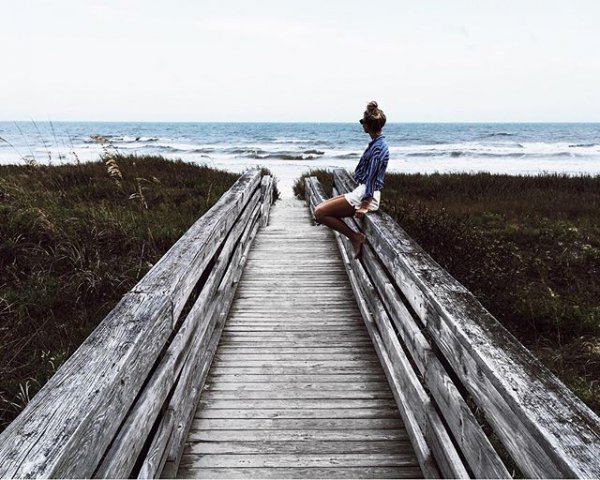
(298, 122)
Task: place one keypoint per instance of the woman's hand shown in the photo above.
(360, 212)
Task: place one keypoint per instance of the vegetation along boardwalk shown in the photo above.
(257, 347)
(296, 389)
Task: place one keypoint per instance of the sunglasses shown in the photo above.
(362, 121)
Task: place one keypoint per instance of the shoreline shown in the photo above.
(290, 148)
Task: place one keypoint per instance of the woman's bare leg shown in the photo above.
(331, 211)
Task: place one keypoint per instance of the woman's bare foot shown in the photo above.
(357, 244)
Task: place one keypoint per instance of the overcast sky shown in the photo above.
(288, 60)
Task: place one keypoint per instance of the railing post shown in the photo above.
(266, 199)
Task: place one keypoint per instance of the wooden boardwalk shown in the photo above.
(296, 389)
(257, 349)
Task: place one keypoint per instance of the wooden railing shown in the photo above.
(459, 377)
(122, 404)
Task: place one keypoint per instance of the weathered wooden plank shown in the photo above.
(294, 394)
(241, 337)
(269, 282)
(297, 413)
(230, 356)
(255, 393)
(299, 335)
(286, 327)
(253, 321)
(67, 426)
(297, 317)
(266, 199)
(309, 271)
(279, 339)
(557, 434)
(309, 309)
(311, 254)
(176, 273)
(293, 378)
(226, 362)
(156, 457)
(311, 312)
(291, 403)
(312, 262)
(297, 447)
(262, 272)
(125, 448)
(332, 473)
(474, 444)
(349, 350)
(281, 308)
(292, 324)
(298, 424)
(366, 435)
(262, 343)
(435, 432)
(323, 291)
(307, 370)
(189, 394)
(282, 297)
(222, 385)
(305, 460)
(422, 450)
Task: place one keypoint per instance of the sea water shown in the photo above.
(289, 149)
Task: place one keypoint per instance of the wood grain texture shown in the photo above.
(185, 398)
(400, 372)
(544, 427)
(66, 427)
(176, 273)
(88, 405)
(125, 448)
(482, 459)
(302, 472)
(266, 199)
(423, 451)
(295, 366)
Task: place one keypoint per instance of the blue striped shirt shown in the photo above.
(372, 165)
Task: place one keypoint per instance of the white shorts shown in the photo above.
(354, 198)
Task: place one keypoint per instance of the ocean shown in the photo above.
(288, 149)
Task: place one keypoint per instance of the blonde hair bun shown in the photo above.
(372, 106)
(373, 117)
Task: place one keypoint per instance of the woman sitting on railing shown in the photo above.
(369, 175)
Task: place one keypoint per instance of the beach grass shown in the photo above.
(73, 240)
(528, 247)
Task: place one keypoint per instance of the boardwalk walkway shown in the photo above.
(296, 389)
(257, 349)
